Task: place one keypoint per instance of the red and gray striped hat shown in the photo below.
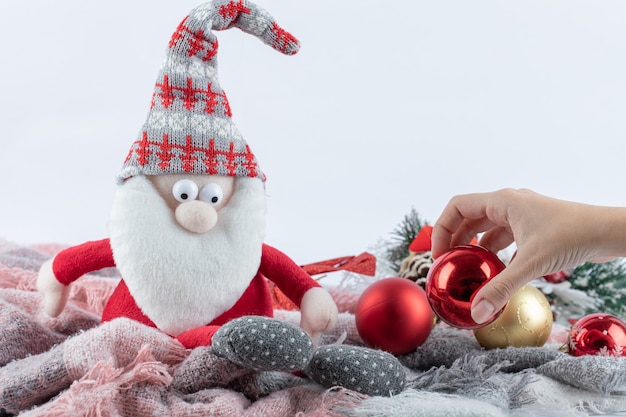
(189, 128)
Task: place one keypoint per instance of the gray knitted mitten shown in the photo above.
(263, 344)
(365, 370)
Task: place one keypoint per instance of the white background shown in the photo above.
(389, 105)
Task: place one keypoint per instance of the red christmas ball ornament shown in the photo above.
(557, 277)
(598, 334)
(453, 280)
(393, 314)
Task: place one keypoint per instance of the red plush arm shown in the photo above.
(283, 271)
(72, 263)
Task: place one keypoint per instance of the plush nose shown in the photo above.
(196, 216)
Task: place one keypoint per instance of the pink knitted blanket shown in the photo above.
(73, 365)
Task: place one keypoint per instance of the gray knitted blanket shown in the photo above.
(73, 365)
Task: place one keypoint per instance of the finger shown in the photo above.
(602, 259)
(452, 220)
(440, 238)
(499, 290)
(470, 229)
(497, 239)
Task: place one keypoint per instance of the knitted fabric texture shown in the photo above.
(123, 368)
(189, 128)
(368, 371)
(263, 344)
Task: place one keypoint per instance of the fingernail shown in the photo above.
(482, 311)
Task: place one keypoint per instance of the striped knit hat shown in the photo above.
(189, 127)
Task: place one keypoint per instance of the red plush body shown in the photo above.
(70, 264)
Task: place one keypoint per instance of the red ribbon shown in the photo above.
(364, 264)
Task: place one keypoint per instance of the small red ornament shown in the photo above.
(557, 277)
(393, 314)
(598, 334)
(453, 280)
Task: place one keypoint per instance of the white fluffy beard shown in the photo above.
(182, 280)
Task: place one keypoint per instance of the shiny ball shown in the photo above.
(453, 280)
(393, 314)
(598, 334)
(557, 277)
(526, 321)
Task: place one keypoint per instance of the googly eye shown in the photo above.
(185, 190)
(212, 194)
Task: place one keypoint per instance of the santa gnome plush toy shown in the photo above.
(186, 230)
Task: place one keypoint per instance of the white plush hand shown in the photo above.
(318, 312)
(55, 294)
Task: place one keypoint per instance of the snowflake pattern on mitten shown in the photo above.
(263, 344)
(365, 370)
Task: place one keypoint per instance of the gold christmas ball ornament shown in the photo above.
(525, 322)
